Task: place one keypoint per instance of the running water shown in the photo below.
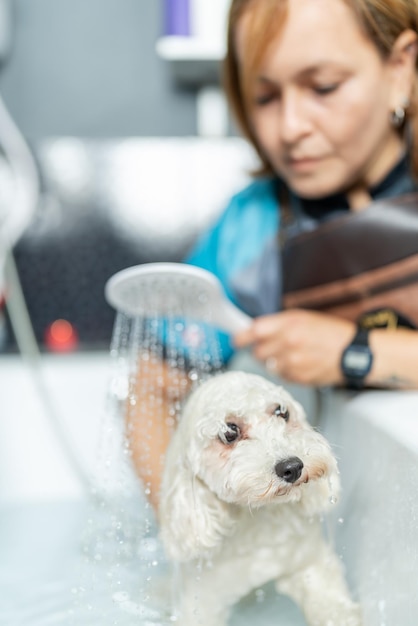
(124, 578)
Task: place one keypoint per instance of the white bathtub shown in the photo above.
(43, 504)
(376, 437)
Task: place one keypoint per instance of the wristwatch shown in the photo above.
(357, 360)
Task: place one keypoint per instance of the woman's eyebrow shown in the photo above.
(320, 66)
(306, 72)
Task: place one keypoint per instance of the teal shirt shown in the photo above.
(241, 249)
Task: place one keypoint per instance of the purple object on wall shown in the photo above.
(177, 17)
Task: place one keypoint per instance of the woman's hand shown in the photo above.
(301, 346)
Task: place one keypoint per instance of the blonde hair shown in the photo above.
(382, 20)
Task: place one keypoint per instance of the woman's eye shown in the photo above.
(323, 90)
(281, 411)
(262, 100)
(231, 433)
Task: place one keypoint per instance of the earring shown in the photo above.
(397, 117)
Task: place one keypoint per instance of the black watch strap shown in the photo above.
(357, 359)
(361, 338)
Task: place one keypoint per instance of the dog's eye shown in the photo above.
(231, 434)
(281, 411)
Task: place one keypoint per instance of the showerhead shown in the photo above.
(198, 292)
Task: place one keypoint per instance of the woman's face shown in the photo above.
(321, 101)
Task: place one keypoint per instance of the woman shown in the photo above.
(327, 93)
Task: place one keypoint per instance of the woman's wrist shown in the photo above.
(394, 354)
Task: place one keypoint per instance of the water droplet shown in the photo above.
(120, 596)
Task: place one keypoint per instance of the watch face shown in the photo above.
(357, 361)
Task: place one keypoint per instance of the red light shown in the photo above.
(61, 336)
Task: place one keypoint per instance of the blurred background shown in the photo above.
(118, 104)
(116, 149)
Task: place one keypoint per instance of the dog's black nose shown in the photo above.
(289, 469)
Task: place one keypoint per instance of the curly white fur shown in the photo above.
(246, 479)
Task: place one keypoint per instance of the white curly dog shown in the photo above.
(246, 481)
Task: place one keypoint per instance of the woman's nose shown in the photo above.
(295, 122)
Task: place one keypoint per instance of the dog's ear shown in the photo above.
(192, 518)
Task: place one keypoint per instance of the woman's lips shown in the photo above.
(304, 163)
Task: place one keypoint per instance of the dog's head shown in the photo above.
(242, 441)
